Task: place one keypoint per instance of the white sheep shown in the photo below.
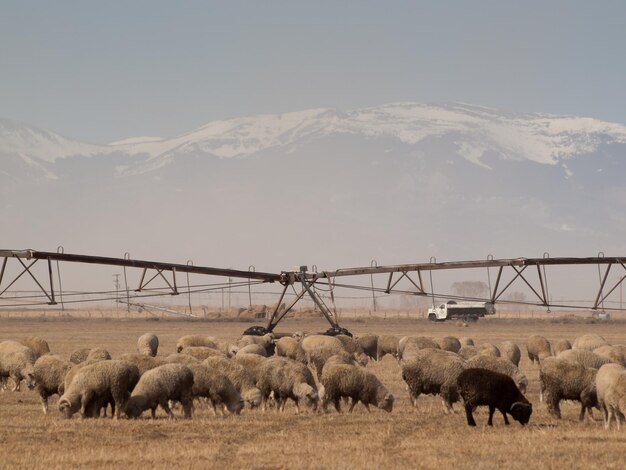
(94, 385)
(605, 379)
(538, 348)
(357, 383)
(17, 362)
(287, 379)
(49, 374)
(160, 385)
(435, 372)
(148, 344)
(216, 387)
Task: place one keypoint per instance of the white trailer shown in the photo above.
(468, 311)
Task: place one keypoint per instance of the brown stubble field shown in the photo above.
(423, 438)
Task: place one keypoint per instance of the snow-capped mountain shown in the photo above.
(474, 131)
(398, 183)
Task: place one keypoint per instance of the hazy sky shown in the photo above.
(101, 71)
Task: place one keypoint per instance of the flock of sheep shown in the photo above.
(313, 370)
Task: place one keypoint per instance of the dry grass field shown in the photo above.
(406, 438)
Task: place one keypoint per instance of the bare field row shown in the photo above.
(423, 438)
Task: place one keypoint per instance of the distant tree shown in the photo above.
(471, 289)
(516, 297)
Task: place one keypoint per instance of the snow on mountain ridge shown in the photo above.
(541, 138)
(29, 142)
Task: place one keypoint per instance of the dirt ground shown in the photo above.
(422, 438)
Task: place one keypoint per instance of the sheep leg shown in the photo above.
(186, 402)
(553, 406)
(297, 407)
(492, 409)
(506, 419)
(16, 383)
(337, 404)
(153, 412)
(167, 409)
(352, 405)
(44, 404)
(469, 415)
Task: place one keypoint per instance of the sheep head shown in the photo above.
(521, 412)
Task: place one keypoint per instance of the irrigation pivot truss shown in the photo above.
(405, 279)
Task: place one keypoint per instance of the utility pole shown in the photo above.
(116, 282)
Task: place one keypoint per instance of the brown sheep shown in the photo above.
(481, 387)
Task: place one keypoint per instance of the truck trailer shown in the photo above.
(468, 311)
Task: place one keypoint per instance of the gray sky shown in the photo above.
(101, 71)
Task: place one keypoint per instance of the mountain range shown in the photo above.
(397, 183)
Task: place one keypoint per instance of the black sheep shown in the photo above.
(481, 387)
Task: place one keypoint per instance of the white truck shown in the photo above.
(468, 311)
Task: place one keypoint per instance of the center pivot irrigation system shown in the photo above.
(506, 272)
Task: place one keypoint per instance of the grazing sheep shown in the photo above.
(343, 380)
(466, 341)
(354, 348)
(538, 348)
(450, 343)
(202, 352)
(286, 378)
(239, 376)
(481, 387)
(40, 346)
(148, 344)
(612, 353)
(584, 357)
(467, 352)
(341, 358)
(387, 344)
(605, 379)
(562, 345)
(616, 400)
(565, 380)
(253, 349)
(252, 363)
(509, 350)
(17, 362)
(433, 372)
(98, 353)
(79, 355)
(267, 341)
(621, 348)
(488, 349)
(420, 342)
(216, 387)
(177, 358)
(158, 386)
(589, 342)
(143, 362)
(299, 335)
(196, 340)
(501, 365)
(49, 373)
(369, 344)
(318, 348)
(95, 384)
(208, 341)
(69, 376)
(286, 347)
